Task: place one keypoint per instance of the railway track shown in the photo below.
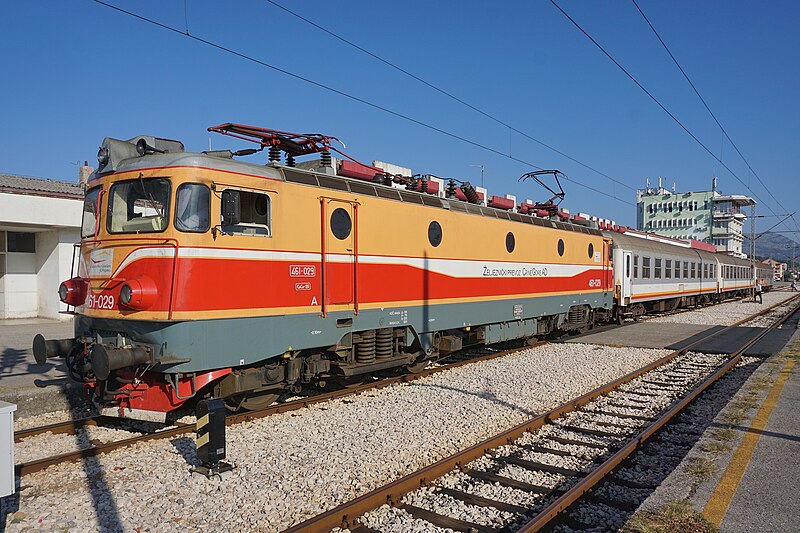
(145, 431)
(524, 478)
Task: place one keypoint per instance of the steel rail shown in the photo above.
(37, 465)
(23, 469)
(347, 514)
(586, 484)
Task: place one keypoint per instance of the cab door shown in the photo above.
(339, 255)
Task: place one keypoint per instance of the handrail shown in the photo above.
(163, 240)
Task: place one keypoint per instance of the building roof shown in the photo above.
(40, 187)
(735, 198)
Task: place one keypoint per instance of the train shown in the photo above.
(200, 274)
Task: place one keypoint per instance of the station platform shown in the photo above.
(674, 336)
(34, 388)
(760, 488)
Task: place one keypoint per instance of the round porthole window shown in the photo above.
(561, 247)
(341, 225)
(510, 242)
(591, 251)
(435, 233)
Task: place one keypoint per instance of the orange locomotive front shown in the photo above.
(202, 275)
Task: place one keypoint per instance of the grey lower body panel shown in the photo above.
(220, 343)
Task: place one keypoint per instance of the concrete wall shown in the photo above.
(39, 211)
(54, 257)
(29, 281)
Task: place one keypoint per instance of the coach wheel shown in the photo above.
(620, 318)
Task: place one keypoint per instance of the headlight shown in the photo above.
(73, 292)
(138, 293)
(102, 156)
(125, 294)
(63, 292)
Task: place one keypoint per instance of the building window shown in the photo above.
(21, 242)
(668, 268)
(645, 267)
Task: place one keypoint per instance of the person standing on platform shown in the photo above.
(794, 285)
(758, 293)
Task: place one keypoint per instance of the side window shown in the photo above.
(658, 268)
(255, 213)
(435, 233)
(694, 270)
(668, 268)
(341, 224)
(677, 269)
(89, 222)
(686, 269)
(192, 208)
(645, 267)
(635, 266)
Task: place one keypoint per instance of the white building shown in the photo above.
(39, 225)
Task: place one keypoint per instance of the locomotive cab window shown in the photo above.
(139, 206)
(246, 213)
(192, 208)
(90, 213)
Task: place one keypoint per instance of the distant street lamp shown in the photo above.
(482, 169)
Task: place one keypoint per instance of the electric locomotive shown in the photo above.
(200, 274)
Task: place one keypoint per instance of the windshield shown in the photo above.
(139, 206)
(89, 223)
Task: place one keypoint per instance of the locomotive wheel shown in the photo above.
(250, 402)
(345, 382)
(418, 367)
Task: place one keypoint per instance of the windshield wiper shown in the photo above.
(150, 197)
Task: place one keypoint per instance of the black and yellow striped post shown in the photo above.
(210, 438)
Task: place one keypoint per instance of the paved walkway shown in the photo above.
(34, 388)
(760, 488)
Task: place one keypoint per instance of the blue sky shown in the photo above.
(75, 72)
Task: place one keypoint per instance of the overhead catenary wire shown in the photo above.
(339, 92)
(658, 102)
(446, 93)
(708, 108)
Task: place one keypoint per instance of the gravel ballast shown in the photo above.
(726, 313)
(295, 465)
